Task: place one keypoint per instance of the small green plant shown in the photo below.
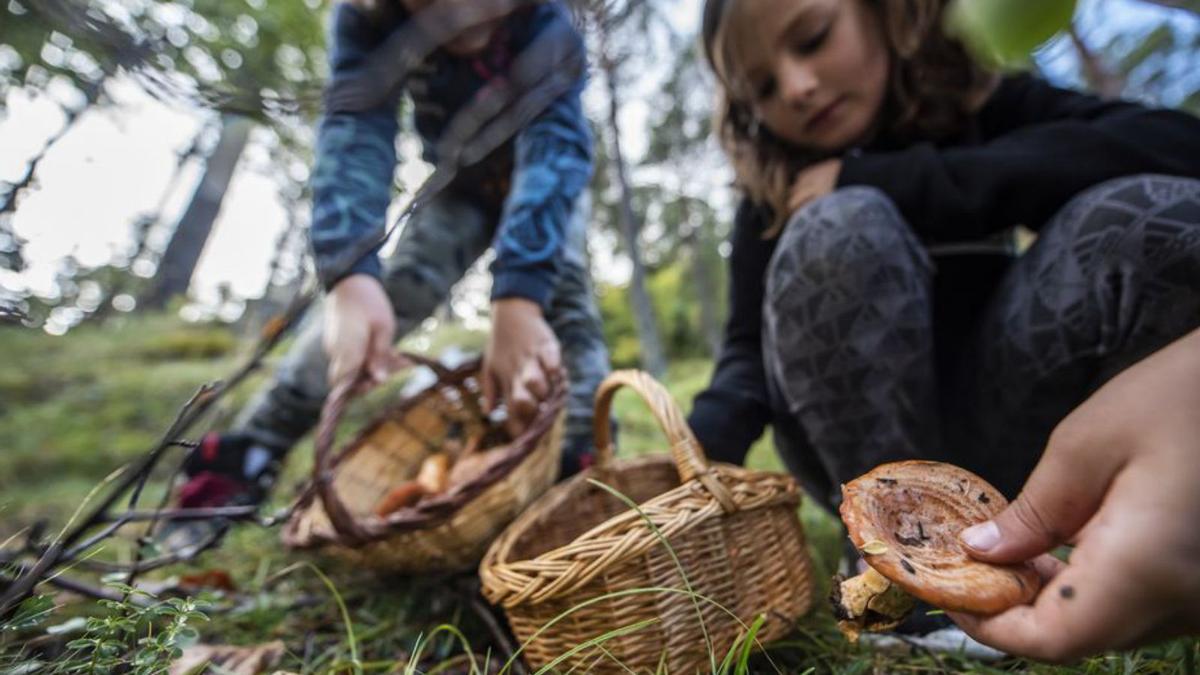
(138, 634)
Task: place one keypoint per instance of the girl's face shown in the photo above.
(814, 72)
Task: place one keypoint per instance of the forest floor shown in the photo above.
(75, 408)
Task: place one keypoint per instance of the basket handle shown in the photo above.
(324, 460)
(685, 449)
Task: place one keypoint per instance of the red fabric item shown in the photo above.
(209, 489)
(209, 446)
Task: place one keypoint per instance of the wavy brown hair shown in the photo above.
(933, 88)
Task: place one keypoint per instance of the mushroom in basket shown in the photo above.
(456, 464)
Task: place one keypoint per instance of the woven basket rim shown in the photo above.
(432, 512)
(547, 570)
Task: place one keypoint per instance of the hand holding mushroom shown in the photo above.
(1120, 479)
(905, 518)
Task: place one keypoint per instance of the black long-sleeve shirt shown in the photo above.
(1029, 150)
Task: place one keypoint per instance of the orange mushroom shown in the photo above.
(400, 497)
(905, 518)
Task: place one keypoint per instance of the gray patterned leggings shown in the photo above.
(434, 251)
(877, 351)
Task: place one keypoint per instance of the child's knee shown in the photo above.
(844, 240)
(1134, 220)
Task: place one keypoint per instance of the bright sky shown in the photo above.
(117, 162)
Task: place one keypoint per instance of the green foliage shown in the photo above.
(198, 342)
(74, 408)
(244, 50)
(37, 51)
(1157, 63)
(1004, 32)
(30, 614)
(677, 304)
(138, 634)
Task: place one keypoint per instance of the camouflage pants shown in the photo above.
(434, 251)
(877, 350)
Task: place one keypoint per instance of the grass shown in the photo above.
(74, 408)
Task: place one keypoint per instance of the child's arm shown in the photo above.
(355, 161)
(552, 167)
(1053, 144)
(553, 163)
(352, 179)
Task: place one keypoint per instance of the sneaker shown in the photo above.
(576, 456)
(949, 640)
(579, 448)
(228, 469)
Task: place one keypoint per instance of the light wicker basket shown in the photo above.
(580, 564)
(335, 512)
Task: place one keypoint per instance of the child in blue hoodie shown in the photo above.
(525, 200)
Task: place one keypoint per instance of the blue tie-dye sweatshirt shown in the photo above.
(544, 168)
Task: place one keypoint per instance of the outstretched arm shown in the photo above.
(352, 182)
(553, 166)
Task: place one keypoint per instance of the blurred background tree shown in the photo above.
(251, 71)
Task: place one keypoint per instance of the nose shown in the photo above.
(797, 82)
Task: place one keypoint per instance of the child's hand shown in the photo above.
(813, 183)
(360, 325)
(521, 358)
(1120, 479)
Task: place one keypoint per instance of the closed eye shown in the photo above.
(812, 43)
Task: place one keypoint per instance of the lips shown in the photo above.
(824, 115)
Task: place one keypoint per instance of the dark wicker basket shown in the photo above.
(447, 532)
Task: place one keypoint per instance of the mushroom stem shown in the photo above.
(868, 602)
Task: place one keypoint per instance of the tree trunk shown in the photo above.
(706, 289)
(1106, 83)
(653, 359)
(179, 260)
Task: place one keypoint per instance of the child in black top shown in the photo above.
(872, 150)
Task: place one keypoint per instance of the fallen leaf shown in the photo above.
(208, 579)
(874, 547)
(251, 660)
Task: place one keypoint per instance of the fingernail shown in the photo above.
(982, 537)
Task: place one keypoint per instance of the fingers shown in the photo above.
(525, 391)
(490, 385)
(1048, 567)
(346, 358)
(379, 355)
(1060, 496)
(1080, 612)
(522, 404)
(550, 359)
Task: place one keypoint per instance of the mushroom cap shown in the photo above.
(906, 517)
